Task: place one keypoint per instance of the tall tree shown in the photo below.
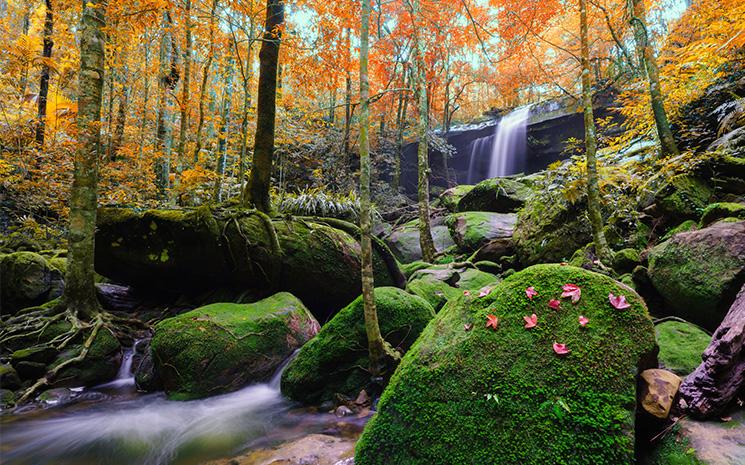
(185, 102)
(375, 343)
(257, 189)
(46, 53)
(646, 54)
(425, 231)
(593, 192)
(80, 292)
(205, 78)
(167, 81)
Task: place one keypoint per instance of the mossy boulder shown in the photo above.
(336, 360)
(683, 197)
(439, 283)
(501, 195)
(191, 251)
(470, 230)
(450, 198)
(547, 233)
(698, 273)
(722, 210)
(625, 260)
(681, 346)
(27, 280)
(432, 289)
(221, 347)
(687, 225)
(99, 366)
(503, 396)
(404, 240)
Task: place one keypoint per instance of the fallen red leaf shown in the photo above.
(466, 292)
(468, 326)
(554, 304)
(492, 321)
(583, 321)
(561, 349)
(618, 302)
(530, 321)
(484, 291)
(531, 292)
(573, 291)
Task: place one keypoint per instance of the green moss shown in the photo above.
(220, 347)
(718, 211)
(681, 346)
(450, 198)
(674, 450)
(495, 195)
(27, 280)
(100, 364)
(626, 260)
(504, 397)
(470, 230)
(687, 225)
(336, 360)
(434, 291)
(409, 269)
(683, 197)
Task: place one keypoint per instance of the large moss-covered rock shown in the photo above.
(501, 195)
(503, 396)
(197, 250)
(698, 273)
(450, 198)
(683, 197)
(722, 210)
(404, 240)
(681, 345)
(470, 230)
(439, 283)
(548, 233)
(221, 347)
(27, 279)
(336, 360)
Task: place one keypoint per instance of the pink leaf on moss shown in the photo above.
(618, 302)
(583, 321)
(530, 321)
(573, 291)
(561, 349)
(554, 304)
(466, 292)
(531, 292)
(492, 321)
(484, 291)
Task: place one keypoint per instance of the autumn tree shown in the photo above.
(41, 113)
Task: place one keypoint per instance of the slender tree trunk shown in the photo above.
(222, 135)
(347, 106)
(146, 97)
(80, 292)
(185, 103)
(401, 126)
(257, 189)
(647, 57)
(593, 192)
(247, 78)
(167, 82)
(121, 120)
(41, 111)
(332, 107)
(425, 232)
(205, 78)
(375, 342)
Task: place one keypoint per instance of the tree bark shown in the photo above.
(222, 133)
(48, 43)
(425, 232)
(185, 91)
(593, 192)
(167, 82)
(647, 57)
(400, 127)
(375, 342)
(121, 119)
(257, 189)
(205, 78)
(80, 292)
(347, 107)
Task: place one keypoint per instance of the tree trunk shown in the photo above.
(167, 82)
(425, 232)
(401, 126)
(375, 342)
(121, 119)
(205, 78)
(185, 103)
(41, 111)
(647, 57)
(222, 134)
(257, 190)
(80, 292)
(347, 108)
(593, 192)
(247, 77)
(145, 99)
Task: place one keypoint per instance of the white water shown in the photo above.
(151, 430)
(510, 143)
(124, 377)
(478, 146)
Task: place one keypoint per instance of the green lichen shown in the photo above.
(681, 345)
(220, 347)
(336, 360)
(722, 210)
(480, 396)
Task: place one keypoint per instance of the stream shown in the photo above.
(133, 428)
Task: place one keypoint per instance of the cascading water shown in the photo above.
(152, 430)
(125, 377)
(510, 143)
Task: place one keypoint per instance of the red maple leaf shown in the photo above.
(554, 304)
(530, 321)
(531, 292)
(466, 293)
(561, 349)
(484, 291)
(573, 291)
(583, 321)
(492, 321)
(618, 302)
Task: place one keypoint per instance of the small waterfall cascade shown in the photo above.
(510, 143)
(477, 147)
(124, 377)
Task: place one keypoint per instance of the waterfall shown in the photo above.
(475, 169)
(510, 143)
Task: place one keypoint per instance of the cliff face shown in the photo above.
(550, 125)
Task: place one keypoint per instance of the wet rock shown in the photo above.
(404, 239)
(502, 195)
(55, 397)
(658, 390)
(27, 280)
(146, 378)
(117, 297)
(336, 360)
(470, 230)
(503, 396)
(343, 411)
(716, 382)
(699, 272)
(221, 347)
(313, 449)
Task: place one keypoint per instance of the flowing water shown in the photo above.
(131, 428)
(503, 153)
